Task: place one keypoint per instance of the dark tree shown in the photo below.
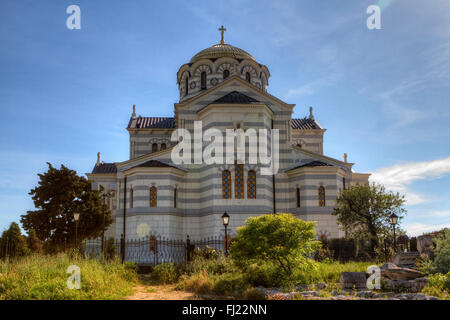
(33, 242)
(60, 194)
(363, 211)
(13, 243)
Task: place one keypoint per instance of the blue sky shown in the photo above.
(382, 95)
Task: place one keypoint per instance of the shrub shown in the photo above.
(278, 241)
(441, 261)
(165, 273)
(438, 285)
(217, 265)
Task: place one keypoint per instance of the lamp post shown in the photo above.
(394, 219)
(76, 216)
(226, 221)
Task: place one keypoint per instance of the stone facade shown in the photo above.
(190, 198)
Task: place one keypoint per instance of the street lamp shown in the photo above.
(76, 216)
(226, 221)
(393, 218)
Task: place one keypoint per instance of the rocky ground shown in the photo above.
(275, 294)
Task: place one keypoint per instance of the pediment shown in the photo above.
(234, 84)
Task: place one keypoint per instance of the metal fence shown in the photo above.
(151, 250)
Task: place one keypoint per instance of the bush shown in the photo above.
(440, 281)
(278, 242)
(441, 262)
(438, 286)
(165, 273)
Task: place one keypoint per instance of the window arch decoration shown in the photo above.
(153, 197)
(226, 184)
(251, 184)
(224, 66)
(250, 70)
(321, 192)
(202, 68)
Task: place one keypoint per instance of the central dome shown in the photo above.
(222, 50)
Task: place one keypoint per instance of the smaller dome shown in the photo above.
(222, 50)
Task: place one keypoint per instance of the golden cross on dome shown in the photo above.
(222, 30)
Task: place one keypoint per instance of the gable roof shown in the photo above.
(154, 164)
(305, 124)
(314, 163)
(104, 168)
(151, 123)
(235, 97)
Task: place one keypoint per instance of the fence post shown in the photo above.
(188, 249)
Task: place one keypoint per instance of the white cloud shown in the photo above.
(311, 87)
(417, 229)
(398, 177)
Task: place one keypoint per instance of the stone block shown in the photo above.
(406, 259)
(350, 280)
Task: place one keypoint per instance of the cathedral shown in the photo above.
(226, 88)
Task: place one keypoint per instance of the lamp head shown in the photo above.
(225, 219)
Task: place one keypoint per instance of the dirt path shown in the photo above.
(147, 291)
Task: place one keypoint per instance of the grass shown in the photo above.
(42, 277)
(220, 278)
(329, 272)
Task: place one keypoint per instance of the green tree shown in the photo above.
(13, 243)
(280, 240)
(363, 211)
(60, 194)
(33, 242)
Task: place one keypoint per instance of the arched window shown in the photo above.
(239, 181)
(248, 77)
(226, 184)
(344, 183)
(175, 194)
(131, 197)
(163, 146)
(298, 197)
(154, 147)
(226, 74)
(203, 80)
(186, 85)
(321, 196)
(153, 197)
(251, 185)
